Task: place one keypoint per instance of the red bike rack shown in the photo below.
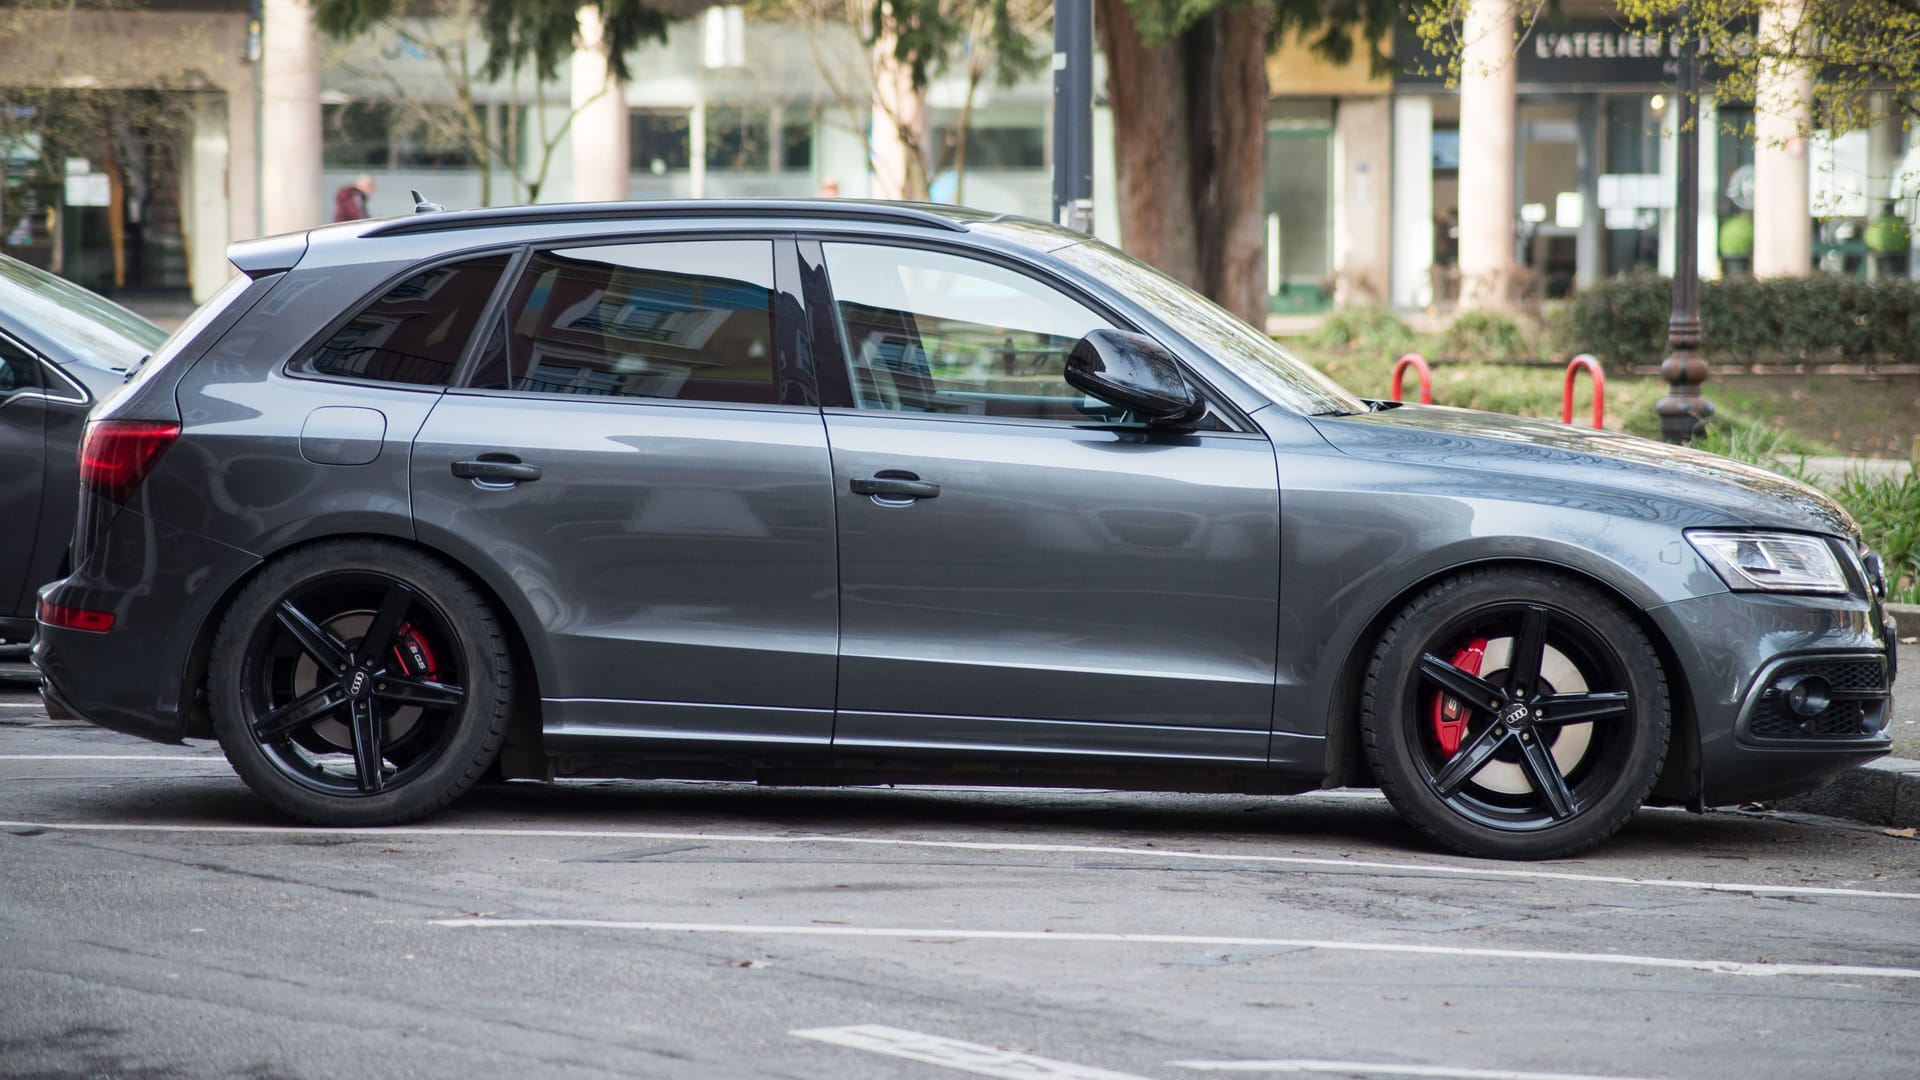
(1599, 377)
(1413, 360)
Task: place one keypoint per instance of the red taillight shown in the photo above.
(73, 618)
(116, 455)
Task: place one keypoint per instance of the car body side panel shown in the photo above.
(23, 452)
(1361, 532)
(160, 582)
(66, 423)
(1114, 584)
(668, 553)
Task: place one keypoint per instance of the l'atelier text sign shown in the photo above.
(1567, 52)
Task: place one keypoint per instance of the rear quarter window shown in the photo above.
(415, 332)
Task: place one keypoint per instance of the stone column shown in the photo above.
(1412, 232)
(1782, 208)
(1363, 200)
(1488, 107)
(599, 136)
(290, 164)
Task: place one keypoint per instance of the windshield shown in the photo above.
(84, 326)
(1251, 354)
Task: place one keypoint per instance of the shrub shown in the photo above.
(1888, 510)
(1487, 336)
(1825, 317)
(1375, 329)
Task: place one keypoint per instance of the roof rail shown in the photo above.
(832, 209)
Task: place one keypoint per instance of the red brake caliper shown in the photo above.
(1449, 712)
(410, 649)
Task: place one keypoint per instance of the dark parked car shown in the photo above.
(61, 349)
(843, 493)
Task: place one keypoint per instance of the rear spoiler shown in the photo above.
(269, 254)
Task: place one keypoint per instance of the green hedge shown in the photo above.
(1825, 318)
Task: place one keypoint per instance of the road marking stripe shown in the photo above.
(1353, 1068)
(113, 757)
(955, 1054)
(1714, 967)
(993, 846)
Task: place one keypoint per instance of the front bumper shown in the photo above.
(1732, 647)
(162, 585)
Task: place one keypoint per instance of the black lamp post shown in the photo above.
(1684, 412)
(1073, 114)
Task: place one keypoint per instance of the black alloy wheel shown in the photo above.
(360, 683)
(1516, 714)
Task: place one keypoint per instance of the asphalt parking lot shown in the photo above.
(157, 921)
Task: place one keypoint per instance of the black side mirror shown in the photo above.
(1135, 373)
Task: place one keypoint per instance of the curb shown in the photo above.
(1884, 792)
(1906, 619)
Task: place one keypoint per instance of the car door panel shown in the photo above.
(23, 451)
(676, 557)
(1070, 589)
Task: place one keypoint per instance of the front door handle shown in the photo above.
(894, 487)
(496, 467)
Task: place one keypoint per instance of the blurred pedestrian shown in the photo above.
(350, 202)
(829, 188)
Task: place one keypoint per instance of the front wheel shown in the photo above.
(1515, 714)
(360, 683)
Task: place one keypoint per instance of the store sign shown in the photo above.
(1569, 52)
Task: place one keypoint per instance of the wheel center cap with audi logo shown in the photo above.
(358, 684)
(1516, 714)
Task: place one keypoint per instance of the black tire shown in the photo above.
(334, 728)
(1536, 771)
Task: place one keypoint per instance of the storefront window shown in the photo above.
(1629, 206)
(1299, 205)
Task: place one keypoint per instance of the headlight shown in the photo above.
(1770, 562)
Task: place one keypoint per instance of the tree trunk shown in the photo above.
(1190, 131)
(900, 125)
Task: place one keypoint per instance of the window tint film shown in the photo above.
(691, 321)
(931, 332)
(416, 332)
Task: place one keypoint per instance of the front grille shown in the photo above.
(1858, 707)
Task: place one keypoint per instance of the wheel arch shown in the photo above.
(1346, 763)
(524, 727)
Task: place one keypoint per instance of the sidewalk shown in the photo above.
(1836, 468)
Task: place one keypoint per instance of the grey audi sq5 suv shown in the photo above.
(843, 493)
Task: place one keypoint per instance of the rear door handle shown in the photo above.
(496, 467)
(892, 485)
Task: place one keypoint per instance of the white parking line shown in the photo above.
(1439, 869)
(1369, 1068)
(955, 1054)
(1712, 967)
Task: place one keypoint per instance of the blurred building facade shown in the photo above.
(208, 121)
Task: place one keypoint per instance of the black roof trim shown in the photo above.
(827, 209)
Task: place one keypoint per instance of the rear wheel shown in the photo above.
(1515, 714)
(360, 683)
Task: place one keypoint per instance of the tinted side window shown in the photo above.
(930, 332)
(691, 321)
(18, 369)
(414, 333)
